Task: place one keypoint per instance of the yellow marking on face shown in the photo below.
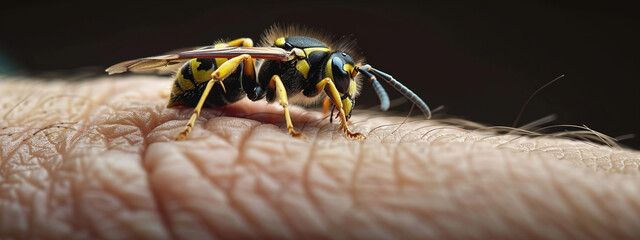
(348, 67)
(303, 67)
(184, 83)
(200, 76)
(280, 41)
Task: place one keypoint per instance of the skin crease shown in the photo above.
(96, 159)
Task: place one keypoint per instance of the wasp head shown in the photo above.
(341, 69)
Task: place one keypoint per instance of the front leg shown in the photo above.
(330, 88)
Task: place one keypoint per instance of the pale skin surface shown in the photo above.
(97, 159)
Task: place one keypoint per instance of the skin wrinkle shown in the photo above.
(312, 191)
(123, 145)
(243, 162)
(293, 188)
(388, 223)
(155, 195)
(406, 189)
(351, 190)
(284, 231)
(163, 193)
(398, 208)
(560, 192)
(164, 172)
(20, 102)
(513, 219)
(551, 192)
(287, 189)
(418, 180)
(523, 178)
(230, 199)
(233, 201)
(394, 163)
(445, 208)
(272, 198)
(18, 147)
(306, 183)
(190, 156)
(286, 149)
(54, 177)
(451, 182)
(24, 176)
(580, 203)
(413, 157)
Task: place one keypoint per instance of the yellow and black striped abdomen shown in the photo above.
(192, 74)
(193, 77)
(194, 71)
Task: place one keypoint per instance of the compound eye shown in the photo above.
(340, 77)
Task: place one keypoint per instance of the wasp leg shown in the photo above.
(331, 90)
(218, 75)
(229, 67)
(240, 42)
(249, 70)
(326, 104)
(276, 83)
(249, 64)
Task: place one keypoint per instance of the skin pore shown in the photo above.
(97, 159)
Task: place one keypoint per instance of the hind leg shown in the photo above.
(218, 75)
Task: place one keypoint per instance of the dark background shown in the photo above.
(480, 60)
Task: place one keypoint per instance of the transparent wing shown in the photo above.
(170, 69)
(176, 58)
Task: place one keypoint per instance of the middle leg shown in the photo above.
(249, 64)
(281, 92)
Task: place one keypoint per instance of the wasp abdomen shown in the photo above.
(192, 78)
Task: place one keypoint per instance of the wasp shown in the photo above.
(290, 64)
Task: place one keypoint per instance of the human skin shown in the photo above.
(97, 159)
